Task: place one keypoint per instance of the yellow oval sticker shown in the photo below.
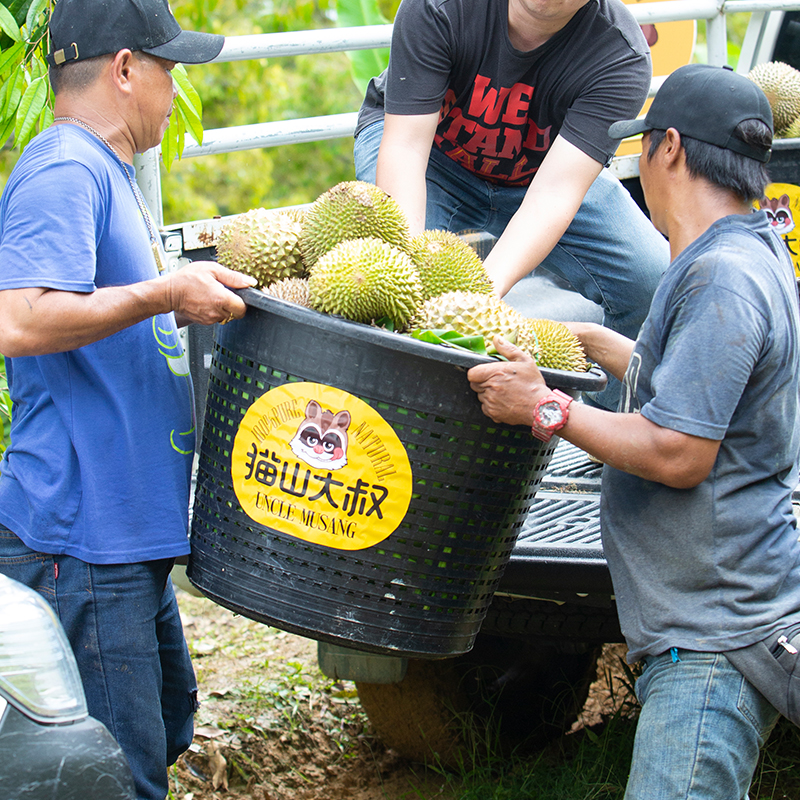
(781, 201)
(319, 464)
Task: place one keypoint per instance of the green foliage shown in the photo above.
(364, 64)
(249, 92)
(26, 99)
(5, 407)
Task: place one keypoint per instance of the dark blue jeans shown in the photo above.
(123, 624)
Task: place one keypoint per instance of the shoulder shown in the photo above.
(435, 8)
(61, 155)
(615, 18)
(741, 256)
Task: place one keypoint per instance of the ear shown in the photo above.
(342, 420)
(671, 148)
(313, 408)
(122, 66)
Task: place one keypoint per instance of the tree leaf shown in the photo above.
(29, 109)
(364, 64)
(10, 58)
(46, 118)
(169, 144)
(9, 25)
(11, 93)
(37, 67)
(6, 129)
(189, 119)
(34, 9)
(189, 104)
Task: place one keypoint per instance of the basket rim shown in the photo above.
(594, 380)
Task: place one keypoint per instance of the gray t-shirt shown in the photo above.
(501, 108)
(715, 567)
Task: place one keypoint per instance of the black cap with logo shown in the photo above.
(81, 29)
(705, 103)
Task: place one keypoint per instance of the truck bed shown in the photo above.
(559, 548)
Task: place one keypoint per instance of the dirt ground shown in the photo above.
(272, 727)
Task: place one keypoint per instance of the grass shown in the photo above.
(593, 765)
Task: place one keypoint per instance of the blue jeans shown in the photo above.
(123, 624)
(700, 731)
(610, 253)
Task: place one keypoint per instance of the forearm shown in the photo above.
(402, 176)
(38, 321)
(633, 444)
(403, 163)
(508, 392)
(525, 243)
(611, 350)
(547, 210)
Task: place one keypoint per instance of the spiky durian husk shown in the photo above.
(558, 347)
(447, 263)
(261, 243)
(293, 290)
(352, 210)
(297, 213)
(469, 313)
(793, 131)
(781, 84)
(365, 279)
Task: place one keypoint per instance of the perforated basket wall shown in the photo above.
(425, 589)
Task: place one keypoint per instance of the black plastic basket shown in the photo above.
(424, 589)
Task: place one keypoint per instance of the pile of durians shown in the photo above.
(350, 254)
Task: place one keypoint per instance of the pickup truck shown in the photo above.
(536, 652)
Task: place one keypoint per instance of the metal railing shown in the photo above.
(312, 129)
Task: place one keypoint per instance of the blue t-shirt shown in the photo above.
(715, 567)
(102, 437)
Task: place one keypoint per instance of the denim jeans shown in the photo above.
(700, 731)
(610, 253)
(123, 624)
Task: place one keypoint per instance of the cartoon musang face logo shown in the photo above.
(779, 213)
(321, 438)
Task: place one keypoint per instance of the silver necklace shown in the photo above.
(154, 243)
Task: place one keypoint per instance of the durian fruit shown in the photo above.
(793, 131)
(293, 290)
(470, 314)
(781, 84)
(557, 346)
(261, 243)
(352, 210)
(447, 263)
(365, 279)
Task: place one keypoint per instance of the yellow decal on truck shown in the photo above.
(781, 201)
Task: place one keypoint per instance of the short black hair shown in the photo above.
(739, 174)
(75, 76)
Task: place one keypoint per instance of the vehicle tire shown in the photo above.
(553, 622)
(505, 693)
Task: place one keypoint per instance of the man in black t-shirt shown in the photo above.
(504, 107)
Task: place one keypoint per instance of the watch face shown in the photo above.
(550, 414)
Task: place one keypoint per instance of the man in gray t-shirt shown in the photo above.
(494, 116)
(696, 511)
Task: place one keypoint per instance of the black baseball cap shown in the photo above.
(81, 29)
(705, 103)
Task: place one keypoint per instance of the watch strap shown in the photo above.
(544, 432)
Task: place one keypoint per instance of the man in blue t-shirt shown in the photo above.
(696, 509)
(493, 115)
(94, 488)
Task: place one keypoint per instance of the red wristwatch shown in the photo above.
(550, 414)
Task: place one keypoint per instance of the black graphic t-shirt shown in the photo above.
(501, 108)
